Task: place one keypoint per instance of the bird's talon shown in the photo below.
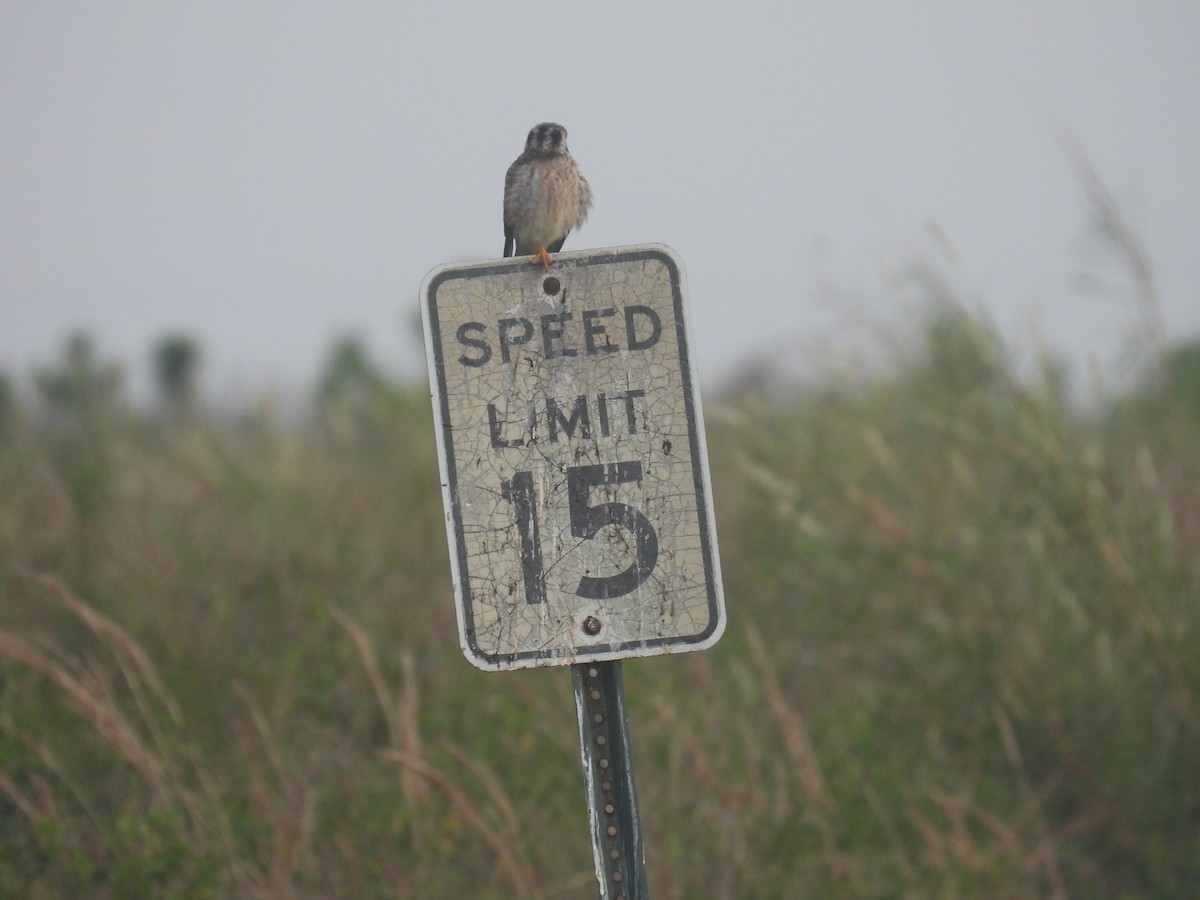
(541, 257)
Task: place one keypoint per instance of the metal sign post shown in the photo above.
(608, 772)
(576, 489)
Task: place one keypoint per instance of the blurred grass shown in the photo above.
(962, 660)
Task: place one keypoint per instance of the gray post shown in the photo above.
(608, 771)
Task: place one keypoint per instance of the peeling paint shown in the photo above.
(573, 462)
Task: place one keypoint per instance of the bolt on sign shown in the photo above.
(573, 462)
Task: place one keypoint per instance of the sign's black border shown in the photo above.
(566, 262)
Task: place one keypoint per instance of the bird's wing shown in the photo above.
(510, 178)
(557, 245)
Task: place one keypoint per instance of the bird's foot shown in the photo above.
(541, 257)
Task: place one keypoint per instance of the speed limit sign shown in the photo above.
(572, 456)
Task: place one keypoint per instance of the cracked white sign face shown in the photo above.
(573, 461)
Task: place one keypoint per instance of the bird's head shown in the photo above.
(549, 137)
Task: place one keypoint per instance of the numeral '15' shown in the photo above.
(586, 522)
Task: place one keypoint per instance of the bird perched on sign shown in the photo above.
(545, 196)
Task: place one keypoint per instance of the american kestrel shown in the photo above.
(545, 196)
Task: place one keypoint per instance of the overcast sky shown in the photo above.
(267, 176)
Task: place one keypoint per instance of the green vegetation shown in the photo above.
(963, 656)
(176, 363)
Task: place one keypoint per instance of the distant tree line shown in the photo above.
(84, 387)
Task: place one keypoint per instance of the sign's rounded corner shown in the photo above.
(665, 249)
(476, 657)
(666, 252)
(432, 279)
(714, 632)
